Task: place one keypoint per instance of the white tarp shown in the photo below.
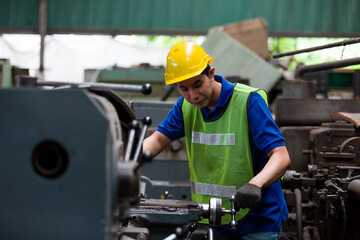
(67, 56)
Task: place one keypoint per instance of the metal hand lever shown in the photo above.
(146, 123)
(134, 124)
(192, 228)
(210, 234)
(145, 89)
(233, 223)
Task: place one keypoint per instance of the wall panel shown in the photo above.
(284, 17)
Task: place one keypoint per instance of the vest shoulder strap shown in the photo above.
(249, 90)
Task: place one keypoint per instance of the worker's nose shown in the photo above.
(193, 94)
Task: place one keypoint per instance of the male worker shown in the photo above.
(234, 147)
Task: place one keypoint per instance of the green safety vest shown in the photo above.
(219, 152)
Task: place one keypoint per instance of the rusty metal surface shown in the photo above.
(353, 118)
(334, 145)
(311, 112)
(298, 89)
(351, 145)
(297, 144)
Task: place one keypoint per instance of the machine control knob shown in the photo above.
(147, 121)
(146, 157)
(146, 89)
(193, 227)
(179, 232)
(134, 124)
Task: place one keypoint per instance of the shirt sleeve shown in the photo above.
(173, 125)
(265, 133)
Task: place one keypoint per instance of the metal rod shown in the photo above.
(210, 234)
(336, 188)
(168, 92)
(171, 237)
(354, 177)
(145, 89)
(298, 199)
(336, 44)
(43, 14)
(323, 66)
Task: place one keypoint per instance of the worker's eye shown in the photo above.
(183, 89)
(197, 85)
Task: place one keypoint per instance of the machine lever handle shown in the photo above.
(144, 89)
(146, 123)
(233, 223)
(133, 126)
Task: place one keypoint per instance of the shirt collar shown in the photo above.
(227, 89)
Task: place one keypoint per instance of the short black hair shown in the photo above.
(206, 71)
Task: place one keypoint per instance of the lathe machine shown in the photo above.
(70, 167)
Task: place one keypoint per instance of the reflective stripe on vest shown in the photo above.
(213, 139)
(212, 189)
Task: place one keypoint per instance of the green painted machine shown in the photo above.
(8, 73)
(5, 73)
(141, 74)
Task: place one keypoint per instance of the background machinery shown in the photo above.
(322, 136)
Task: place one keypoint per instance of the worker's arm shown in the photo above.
(249, 195)
(278, 163)
(156, 143)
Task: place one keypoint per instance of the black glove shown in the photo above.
(247, 196)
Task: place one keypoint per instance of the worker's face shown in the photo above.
(199, 90)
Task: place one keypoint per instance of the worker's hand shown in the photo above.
(247, 196)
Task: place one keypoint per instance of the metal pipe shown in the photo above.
(336, 44)
(298, 198)
(323, 66)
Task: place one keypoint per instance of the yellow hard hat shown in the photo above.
(185, 60)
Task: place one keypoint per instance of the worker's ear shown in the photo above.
(211, 72)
